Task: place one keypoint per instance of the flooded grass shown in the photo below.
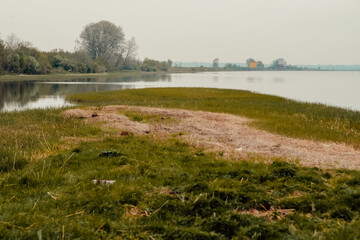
(274, 114)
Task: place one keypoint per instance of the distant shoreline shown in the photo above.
(66, 76)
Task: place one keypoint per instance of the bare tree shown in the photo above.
(13, 42)
(2, 55)
(102, 39)
(128, 52)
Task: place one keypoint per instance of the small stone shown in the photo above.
(103, 181)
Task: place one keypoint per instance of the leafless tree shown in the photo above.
(12, 42)
(128, 52)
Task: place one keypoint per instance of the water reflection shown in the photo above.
(40, 103)
(252, 79)
(278, 79)
(17, 96)
(332, 88)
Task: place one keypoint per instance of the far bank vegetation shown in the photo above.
(109, 51)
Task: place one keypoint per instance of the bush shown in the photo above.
(64, 63)
(13, 63)
(32, 66)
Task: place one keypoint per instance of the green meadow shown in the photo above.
(166, 188)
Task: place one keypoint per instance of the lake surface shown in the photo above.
(340, 89)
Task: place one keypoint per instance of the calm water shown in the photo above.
(332, 88)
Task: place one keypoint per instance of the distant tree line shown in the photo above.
(251, 64)
(102, 48)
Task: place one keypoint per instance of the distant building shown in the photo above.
(252, 65)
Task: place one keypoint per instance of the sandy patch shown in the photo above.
(226, 133)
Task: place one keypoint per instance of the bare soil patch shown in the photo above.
(271, 214)
(226, 133)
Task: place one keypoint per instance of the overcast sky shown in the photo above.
(301, 31)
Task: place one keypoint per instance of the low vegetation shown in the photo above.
(166, 188)
(274, 114)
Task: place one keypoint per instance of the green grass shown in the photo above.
(30, 135)
(274, 114)
(167, 190)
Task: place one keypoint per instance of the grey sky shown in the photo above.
(301, 31)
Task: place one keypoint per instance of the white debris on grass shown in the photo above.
(103, 181)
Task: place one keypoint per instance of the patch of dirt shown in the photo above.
(271, 214)
(297, 194)
(135, 212)
(226, 133)
(161, 191)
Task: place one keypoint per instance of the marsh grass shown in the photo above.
(165, 189)
(274, 114)
(31, 135)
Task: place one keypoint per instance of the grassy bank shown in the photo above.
(166, 188)
(67, 76)
(274, 114)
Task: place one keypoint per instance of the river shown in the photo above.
(335, 88)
